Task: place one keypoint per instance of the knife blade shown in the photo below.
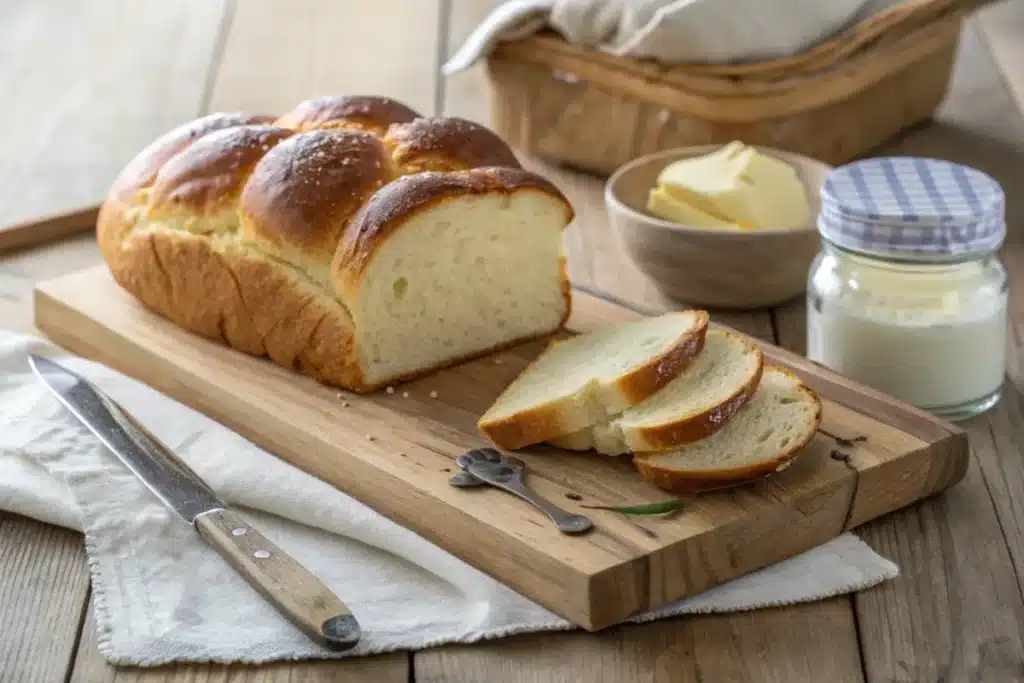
(293, 590)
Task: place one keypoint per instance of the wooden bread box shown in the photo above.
(593, 111)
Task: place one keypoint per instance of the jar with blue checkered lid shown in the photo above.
(908, 294)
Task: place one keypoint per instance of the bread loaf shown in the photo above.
(350, 239)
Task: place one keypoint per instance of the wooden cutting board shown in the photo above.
(395, 452)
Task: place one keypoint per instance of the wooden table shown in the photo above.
(85, 85)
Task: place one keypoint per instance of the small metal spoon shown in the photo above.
(488, 466)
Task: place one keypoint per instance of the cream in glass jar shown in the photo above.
(907, 294)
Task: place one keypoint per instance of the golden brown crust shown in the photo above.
(692, 481)
(304, 191)
(209, 174)
(522, 429)
(546, 421)
(693, 428)
(400, 200)
(231, 295)
(114, 221)
(435, 143)
(646, 380)
(358, 112)
(140, 171)
(227, 225)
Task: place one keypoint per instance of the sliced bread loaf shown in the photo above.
(695, 405)
(763, 437)
(583, 380)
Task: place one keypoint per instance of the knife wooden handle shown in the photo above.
(296, 593)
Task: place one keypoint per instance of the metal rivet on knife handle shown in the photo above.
(286, 584)
(299, 595)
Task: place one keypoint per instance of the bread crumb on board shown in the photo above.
(371, 437)
(405, 394)
(433, 394)
(390, 390)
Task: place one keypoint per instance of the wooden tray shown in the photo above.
(40, 230)
(626, 564)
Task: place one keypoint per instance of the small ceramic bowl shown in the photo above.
(709, 267)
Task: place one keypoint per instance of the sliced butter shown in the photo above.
(738, 185)
(664, 205)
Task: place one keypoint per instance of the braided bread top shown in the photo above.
(299, 186)
(265, 233)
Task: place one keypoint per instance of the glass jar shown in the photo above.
(907, 294)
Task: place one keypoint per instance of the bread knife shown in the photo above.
(293, 590)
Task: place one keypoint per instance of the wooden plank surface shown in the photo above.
(798, 633)
(621, 568)
(43, 583)
(919, 642)
(41, 230)
(275, 54)
(77, 105)
(279, 53)
(84, 85)
(785, 645)
(956, 613)
(90, 668)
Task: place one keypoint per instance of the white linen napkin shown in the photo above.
(671, 31)
(162, 595)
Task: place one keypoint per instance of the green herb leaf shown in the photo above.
(646, 509)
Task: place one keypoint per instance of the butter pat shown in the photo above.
(664, 205)
(735, 186)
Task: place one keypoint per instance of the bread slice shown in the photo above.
(584, 380)
(695, 405)
(763, 437)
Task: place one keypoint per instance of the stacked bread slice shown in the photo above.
(698, 409)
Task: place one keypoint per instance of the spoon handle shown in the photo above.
(566, 522)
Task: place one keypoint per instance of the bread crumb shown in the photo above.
(390, 390)
(341, 395)
(405, 394)
(433, 394)
(344, 404)
(370, 437)
(498, 361)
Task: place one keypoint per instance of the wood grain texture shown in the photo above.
(926, 625)
(783, 644)
(394, 453)
(19, 271)
(40, 230)
(43, 583)
(89, 667)
(300, 596)
(678, 650)
(85, 85)
(280, 53)
(77, 105)
(956, 613)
